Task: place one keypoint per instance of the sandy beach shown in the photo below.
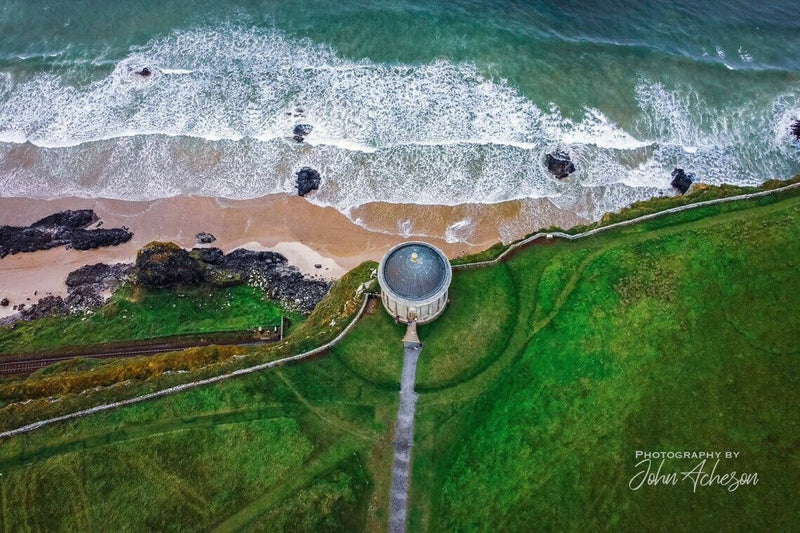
(306, 234)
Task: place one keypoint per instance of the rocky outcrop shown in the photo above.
(86, 290)
(49, 305)
(204, 238)
(105, 276)
(795, 129)
(166, 264)
(80, 299)
(308, 180)
(559, 164)
(681, 180)
(67, 228)
(300, 131)
(281, 282)
(79, 218)
(163, 264)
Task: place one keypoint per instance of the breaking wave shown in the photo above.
(215, 117)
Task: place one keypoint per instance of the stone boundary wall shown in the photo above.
(643, 218)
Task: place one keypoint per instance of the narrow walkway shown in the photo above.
(404, 439)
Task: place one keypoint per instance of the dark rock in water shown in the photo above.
(67, 228)
(145, 72)
(163, 264)
(796, 129)
(301, 130)
(318, 265)
(308, 180)
(4, 302)
(204, 238)
(681, 180)
(559, 164)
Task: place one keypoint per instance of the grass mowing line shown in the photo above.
(81, 491)
(453, 393)
(142, 431)
(192, 384)
(150, 470)
(625, 240)
(643, 218)
(750, 342)
(565, 293)
(377, 383)
(333, 421)
(330, 457)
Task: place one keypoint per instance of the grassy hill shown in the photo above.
(537, 386)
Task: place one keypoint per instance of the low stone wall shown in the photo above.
(643, 218)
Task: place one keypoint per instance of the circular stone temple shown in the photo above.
(414, 279)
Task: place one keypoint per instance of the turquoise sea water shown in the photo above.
(423, 102)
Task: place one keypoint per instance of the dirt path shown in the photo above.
(403, 440)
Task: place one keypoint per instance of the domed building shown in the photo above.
(414, 279)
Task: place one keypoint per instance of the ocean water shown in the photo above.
(436, 102)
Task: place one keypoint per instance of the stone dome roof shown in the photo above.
(415, 271)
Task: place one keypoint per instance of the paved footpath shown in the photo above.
(403, 440)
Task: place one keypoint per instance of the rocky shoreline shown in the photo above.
(158, 265)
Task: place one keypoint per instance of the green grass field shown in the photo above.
(135, 313)
(537, 386)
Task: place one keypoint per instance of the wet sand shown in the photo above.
(306, 234)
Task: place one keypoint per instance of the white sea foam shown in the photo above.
(215, 118)
(745, 56)
(176, 71)
(12, 136)
(459, 231)
(405, 228)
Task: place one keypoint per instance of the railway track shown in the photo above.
(30, 364)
